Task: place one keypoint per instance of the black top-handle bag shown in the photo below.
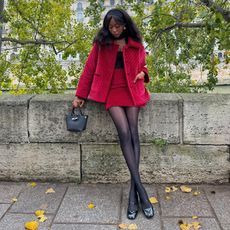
(76, 121)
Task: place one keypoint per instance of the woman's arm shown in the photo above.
(143, 64)
(85, 81)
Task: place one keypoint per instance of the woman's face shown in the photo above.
(115, 28)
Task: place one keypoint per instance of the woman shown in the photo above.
(114, 74)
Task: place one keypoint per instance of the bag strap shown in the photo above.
(78, 111)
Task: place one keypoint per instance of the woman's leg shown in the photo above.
(132, 117)
(119, 117)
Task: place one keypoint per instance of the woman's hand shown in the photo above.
(140, 75)
(78, 102)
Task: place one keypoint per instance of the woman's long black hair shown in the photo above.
(120, 16)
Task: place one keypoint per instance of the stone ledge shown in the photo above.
(159, 119)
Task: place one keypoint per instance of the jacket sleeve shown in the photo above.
(86, 78)
(143, 66)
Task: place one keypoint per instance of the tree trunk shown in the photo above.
(1, 22)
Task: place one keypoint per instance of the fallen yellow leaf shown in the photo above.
(196, 225)
(42, 218)
(123, 226)
(184, 227)
(50, 190)
(196, 193)
(195, 217)
(91, 205)
(32, 225)
(153, 200)
(39, 212)
(33, 184)
(167, 189)
(14, 199)
(185, 188)
(132, 227)
(168, 198)
(173, 188)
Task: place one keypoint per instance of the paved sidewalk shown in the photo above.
(67, 208)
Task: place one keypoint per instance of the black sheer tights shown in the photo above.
(126, 122)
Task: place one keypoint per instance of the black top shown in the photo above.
(119, 61)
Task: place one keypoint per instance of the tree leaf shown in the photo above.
(32, 225)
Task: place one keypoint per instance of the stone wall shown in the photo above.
(193, 133)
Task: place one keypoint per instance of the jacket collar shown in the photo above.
(132, 43)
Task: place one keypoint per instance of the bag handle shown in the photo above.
(78, 110)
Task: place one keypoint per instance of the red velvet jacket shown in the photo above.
(96, 77)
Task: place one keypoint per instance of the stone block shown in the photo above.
(206, 118)
(74, 207)
(9, 190)
(44, 161)
(160, 119)
(171, 163)
(185, 164)
(13, 118)
(219, 198)
(184, 204)
(35, 198)
(103, 163)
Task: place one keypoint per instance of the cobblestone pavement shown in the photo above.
(67, 208)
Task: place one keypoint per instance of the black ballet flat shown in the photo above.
(148, 212)
(132, 214)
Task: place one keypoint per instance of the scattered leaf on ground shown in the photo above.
(91, 205)
(39, 212)
(14, 199)
(132, 227)
(196, 225)
(32, 225)
(196, 193)
(42, 218)
(50, 190)
(188, 226)
(153, 200)
(185, 188)
(195, 217)
(174, 189)
(168, 198)
(33, 184)
(167, 189)
(123, 226)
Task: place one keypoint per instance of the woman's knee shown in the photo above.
(124, 135)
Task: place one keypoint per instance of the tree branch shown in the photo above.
(213, 6)
(32, 42)
(177, 25)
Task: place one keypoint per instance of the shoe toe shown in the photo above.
(149, 212)
(131, 214)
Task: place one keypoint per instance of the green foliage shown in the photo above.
(160, 142)
(5, 80)
(180, 36)
(42, 29)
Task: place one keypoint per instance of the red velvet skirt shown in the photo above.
(119, 94)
